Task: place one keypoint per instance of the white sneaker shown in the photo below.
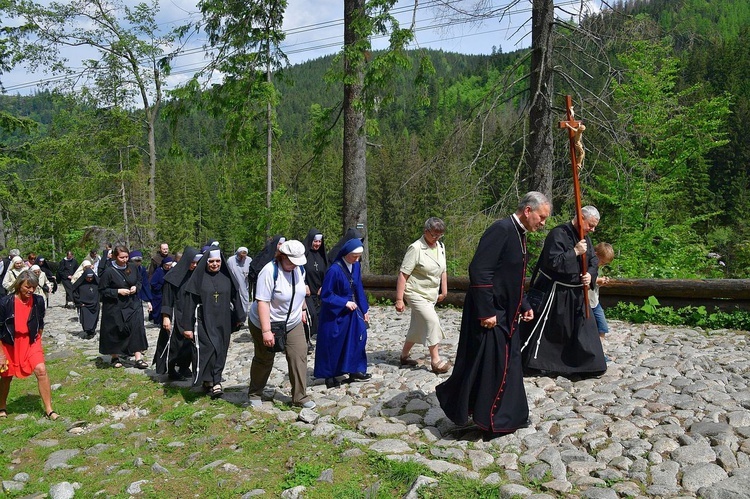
(309, 405)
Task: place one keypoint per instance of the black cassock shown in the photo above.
(315, 271)
(212, 307)
(560, 339)
(487, 378)
(121, 331)
(172, 348)
(86, 298)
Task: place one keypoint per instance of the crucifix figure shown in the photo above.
(575, 129)
(575, 133)
(216, 297)
(315, 264)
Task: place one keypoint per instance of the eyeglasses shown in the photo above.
(435, 237)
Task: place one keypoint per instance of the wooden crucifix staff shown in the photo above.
(575, 128)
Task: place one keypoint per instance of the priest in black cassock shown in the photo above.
(174, 352)
(562, 340)
(487, 379)
(86, 298)
(213, 310)
(315, 271)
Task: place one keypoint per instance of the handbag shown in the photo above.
(278, 328)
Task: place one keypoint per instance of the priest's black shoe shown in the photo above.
(176, 376)
(359, 376)
(332, 383)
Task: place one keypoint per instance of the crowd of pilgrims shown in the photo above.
(293, 292)
(199, 297)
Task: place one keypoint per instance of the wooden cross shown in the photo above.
(574, 126)
(216, 297)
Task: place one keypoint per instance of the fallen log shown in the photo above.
(726, 294)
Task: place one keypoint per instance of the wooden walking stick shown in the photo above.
(575, 128)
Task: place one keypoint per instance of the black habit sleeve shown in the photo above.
(487, 260)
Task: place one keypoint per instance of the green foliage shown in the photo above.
(302, 474)
(655, 197)
(398, 472)
(453, 485)
(652, 312)
(667, 148)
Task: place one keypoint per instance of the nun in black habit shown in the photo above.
(260, 260)
(174, 352)
(122, 331)
(86, 299)
(213, 310)
(315, 271)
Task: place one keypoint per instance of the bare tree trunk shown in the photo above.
(269, 141)
(3, 242)
(124, 204)
(540, 149)
(354, 211)
(151, 116)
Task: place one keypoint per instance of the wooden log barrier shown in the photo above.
(726, 294)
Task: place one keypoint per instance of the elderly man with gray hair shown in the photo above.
(487, 379)
(562, 339)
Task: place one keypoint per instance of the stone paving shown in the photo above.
(670, 418)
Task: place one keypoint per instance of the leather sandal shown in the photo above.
(3, 413)
(52, 415)
(408, 361)
(140, 364)
(115, 362)
(217, 391)
(442, 367)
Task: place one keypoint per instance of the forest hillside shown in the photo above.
(662, 87)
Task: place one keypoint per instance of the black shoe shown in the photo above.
(186, 372)
(359, 376)
(176, 376)
(332, 383)
(89, 334)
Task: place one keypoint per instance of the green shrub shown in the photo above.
(651, 311)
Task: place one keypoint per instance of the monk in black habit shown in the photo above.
(86, 298)
(487, 379)
(174, 352)
(213, 310)
(562, 340)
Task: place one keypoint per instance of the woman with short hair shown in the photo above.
(423, 281)
(280, 297)
(21, 327)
